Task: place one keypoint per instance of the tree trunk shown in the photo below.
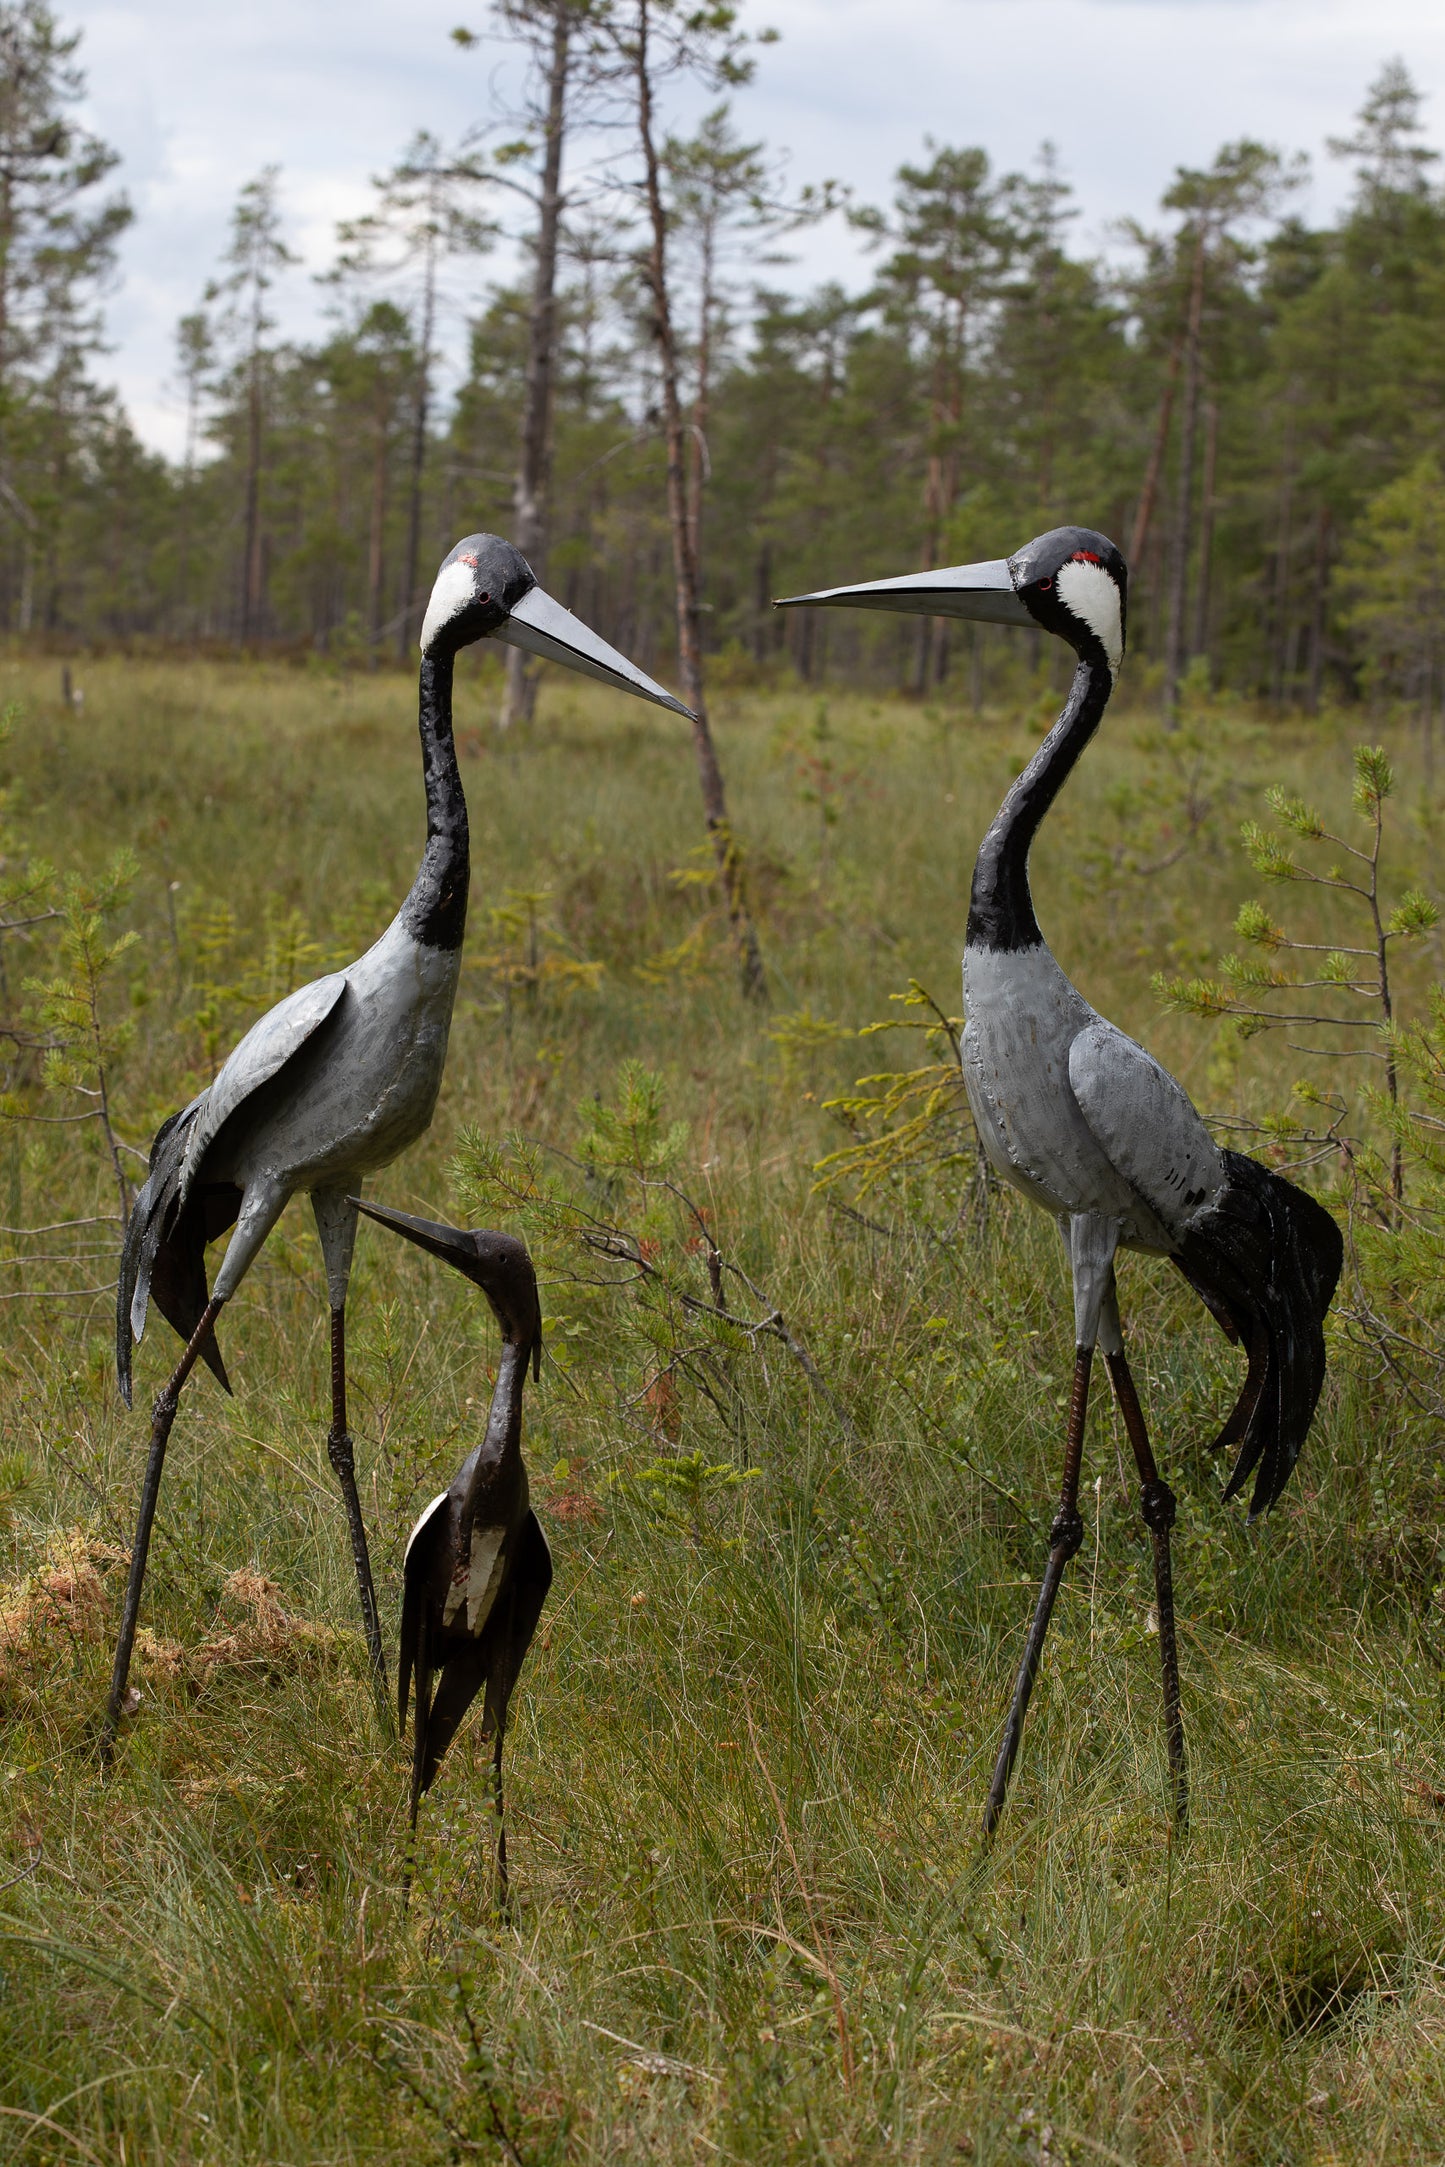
(529, 494)
(252, 573)
(685, 569)
(1148, 495)
(1206, 526)
(762, 602)
(418, 446)
(697, 469)
(378, 530)
(188, 485)
(1175, 643)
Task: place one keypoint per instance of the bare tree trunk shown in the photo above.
(418, 445)
(1175, 650)
(685, 569)
(378, 531)
(1206, 526)
(940, 492)
(1148, 495)
(252, 571)
(534, 465)
(697, 453)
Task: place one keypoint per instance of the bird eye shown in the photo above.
(484, 597)
(1044, 585)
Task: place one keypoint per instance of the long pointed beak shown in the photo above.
(447, 1242)
(983, 591)
(544, 628)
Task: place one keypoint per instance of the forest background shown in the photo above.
(1250, 404)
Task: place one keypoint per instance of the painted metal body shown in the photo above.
(361, 1061)
(342, 1076)
(477, 1567)
(1092, 1129)
(338, 1079)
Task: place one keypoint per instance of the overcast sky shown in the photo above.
(197, 96)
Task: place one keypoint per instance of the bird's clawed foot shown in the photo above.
(341, 1451)
(1066, 1536)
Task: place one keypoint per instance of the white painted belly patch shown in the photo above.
(477, 1586)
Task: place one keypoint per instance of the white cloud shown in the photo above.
(198, 97)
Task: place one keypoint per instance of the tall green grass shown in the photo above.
(752, 1917)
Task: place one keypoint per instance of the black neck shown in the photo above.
(1001, 909)
(435, 912)
(502, 1443)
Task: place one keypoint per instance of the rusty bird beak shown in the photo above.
(456, 1246)
(982, 591)
(542, 627)
(453, 1245)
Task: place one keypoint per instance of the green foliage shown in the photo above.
(1263, 992)
(1400, 1309)
(904, 1121)
(683, 1491)
(529, 956)
(1392, 578)
(231, 980)
(72, 1013)
(17, 1482)
(631, 1136)
(750, 1743)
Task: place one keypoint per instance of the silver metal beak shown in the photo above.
(983, 591)
(542, 627)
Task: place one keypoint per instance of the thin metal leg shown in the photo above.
(342, 1456)
(163, 1414)
(1156, 1506)
(1064, 1539)
(503, 1896)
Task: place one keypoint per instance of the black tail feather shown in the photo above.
(1265, 1260)
(163, 1254)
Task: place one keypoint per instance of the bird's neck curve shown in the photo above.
(435, 912)
(1001, 908)
(503, 1440)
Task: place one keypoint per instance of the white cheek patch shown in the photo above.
(451, 594)
(1087, 590)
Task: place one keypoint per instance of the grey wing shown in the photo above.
(1147, 1125)
(510, 1636)
(261, 1054)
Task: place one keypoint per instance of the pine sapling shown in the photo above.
(1264, 992)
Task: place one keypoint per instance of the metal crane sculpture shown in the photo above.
(477, 1566)
(1090, 1126)
(340, 1077)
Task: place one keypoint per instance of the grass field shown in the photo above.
(752, 1917)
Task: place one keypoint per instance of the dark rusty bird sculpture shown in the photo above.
(477, 1566)
(1090, 1127)
(340, 1077)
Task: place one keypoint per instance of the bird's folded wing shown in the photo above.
(263, 1053)
(534, 1577)
(1146, 1124)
